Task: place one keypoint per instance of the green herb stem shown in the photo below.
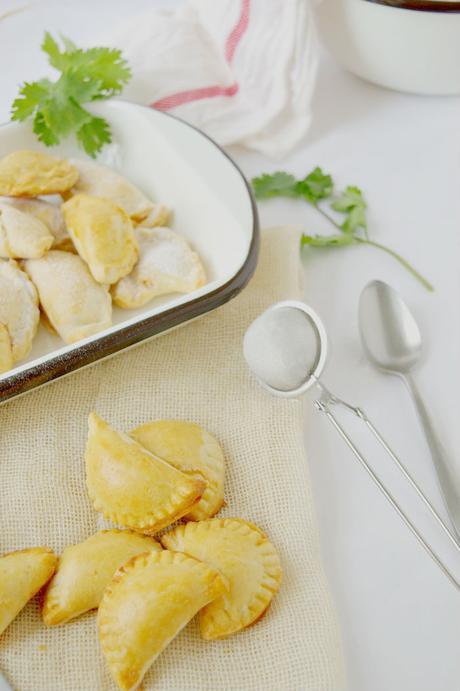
(407, 265)
(366, 241)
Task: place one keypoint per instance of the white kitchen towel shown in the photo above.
(241, 70)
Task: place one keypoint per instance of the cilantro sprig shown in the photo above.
(56, 107)
(317, 189)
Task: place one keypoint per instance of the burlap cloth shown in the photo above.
(196, 373)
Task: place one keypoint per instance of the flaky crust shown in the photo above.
(22, 574)
(31, 173)
(248, 560)
(103, 235)
(75, 304)
(150, 599)
(18, 308)
(22, 236)
(192, 450)
(85, 569)
(167, 264)
(100, 181)
(131, 486)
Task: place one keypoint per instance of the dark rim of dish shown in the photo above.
(110, 344)
(421, 5)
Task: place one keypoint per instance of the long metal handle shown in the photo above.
(448, 479)
(323, 406)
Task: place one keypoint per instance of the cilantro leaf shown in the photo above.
(351, 202)
(315, 186)
(279, 184)
(56, 107)
(31, 96)
(94, 134)
(326, 240)
(44, 133)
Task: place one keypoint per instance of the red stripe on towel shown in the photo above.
(231, 44)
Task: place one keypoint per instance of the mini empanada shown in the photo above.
(245, 556)
(150, 600)
(166, 264)
(47, 213)
(131, 486)
(105, 182)
(160, 215)
(103, 236)
(6, 350)
(18, 308)
(74, 303)
(22, 236)
(30, 173)
(189, 448)
(84, 571)
(22, 574)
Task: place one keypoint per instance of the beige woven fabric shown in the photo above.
(196, 373)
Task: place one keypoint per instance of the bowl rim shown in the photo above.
(107, 345)
(439, 6)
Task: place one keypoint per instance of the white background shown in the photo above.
(399, 615)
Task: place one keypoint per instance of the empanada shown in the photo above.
(22, 574)
(131, 486)
(30, 173)
(47, 213)
(22, 236)
(19, 311)
(103, 236)
(166, 264)
(74, 303)
(84, 571)
(104, 182)
(189, 448)
(150, 600)
(6, 350)
(245, 556)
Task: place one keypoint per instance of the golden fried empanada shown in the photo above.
(22, 574)
(30, 173)
(103, 236)
(245, 556)
(18, 308)
(75, 304)
(6, 350)
(150, 600)
(84, 571)
(47, 213)
(160, 215)
(104, 182)
(189, 448)
(166, 264)
(22, 236)
(131, 486)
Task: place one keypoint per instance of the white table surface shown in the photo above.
(399, 615)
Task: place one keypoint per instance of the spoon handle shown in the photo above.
(449, 480)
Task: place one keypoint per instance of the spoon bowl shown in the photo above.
(389, 333)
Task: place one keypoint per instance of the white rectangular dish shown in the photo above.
(213, 208)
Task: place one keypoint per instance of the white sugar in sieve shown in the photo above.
(286, 349)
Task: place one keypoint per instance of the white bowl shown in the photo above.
(408, 45)
(212, 205)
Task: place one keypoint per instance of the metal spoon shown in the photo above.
(392, 342)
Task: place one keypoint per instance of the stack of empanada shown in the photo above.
(147, 590)
(104, 241)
